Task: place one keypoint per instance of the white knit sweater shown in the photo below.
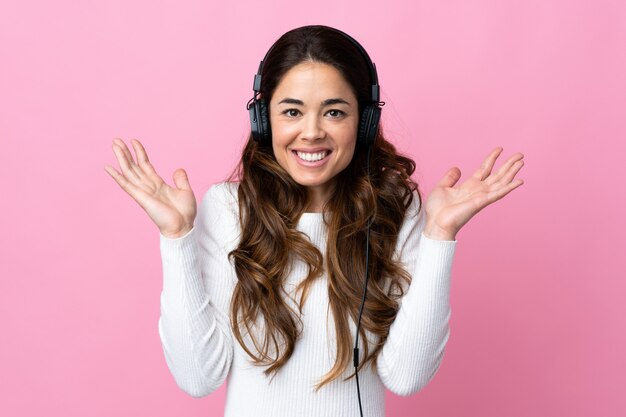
(201, 352)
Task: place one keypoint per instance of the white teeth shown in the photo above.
(312, 157)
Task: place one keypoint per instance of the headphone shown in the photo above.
(368, 120)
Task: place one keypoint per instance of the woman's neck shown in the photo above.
(318, 195)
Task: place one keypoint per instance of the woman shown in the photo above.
(264, 286)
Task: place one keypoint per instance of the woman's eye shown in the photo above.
(291, 112)
(335, 113)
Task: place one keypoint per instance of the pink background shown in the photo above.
(538, 318)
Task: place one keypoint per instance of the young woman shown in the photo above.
(264, 285)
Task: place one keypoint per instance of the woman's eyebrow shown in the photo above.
(331, 101)
(291, 101)
(327, 102)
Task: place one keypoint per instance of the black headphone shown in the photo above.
(369, 118)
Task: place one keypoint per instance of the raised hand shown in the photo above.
(448, 208)
(173, 210)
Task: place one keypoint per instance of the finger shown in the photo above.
(504, 168)
(500, 192)
(144, 162)
(131, 189)
(120, 179)
(450, 178)
(129, 157)
(485, 169)
(181, 180)
(124, 148)
(140, 152)
(508, 176)
(124, 165)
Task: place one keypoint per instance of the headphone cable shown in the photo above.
(356, 344)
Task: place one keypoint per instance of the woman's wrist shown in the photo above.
(178, 234)
(434, 232)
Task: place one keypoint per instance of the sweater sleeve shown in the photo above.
(194, 325)
(417, 338)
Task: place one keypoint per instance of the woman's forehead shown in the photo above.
(313, 81)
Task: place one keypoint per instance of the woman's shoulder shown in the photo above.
(222, 196)
(414, 209)
(225, 191)
(414, 218)
(218, 212)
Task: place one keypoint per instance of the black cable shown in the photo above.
(367, 252)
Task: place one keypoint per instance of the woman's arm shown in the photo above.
(417, 338)
(194, 325)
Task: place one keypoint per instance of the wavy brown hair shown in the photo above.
(270, 206)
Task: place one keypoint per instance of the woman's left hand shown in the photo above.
(448, 208)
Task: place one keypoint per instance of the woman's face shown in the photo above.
(314, 119)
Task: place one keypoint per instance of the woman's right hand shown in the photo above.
(173, 210)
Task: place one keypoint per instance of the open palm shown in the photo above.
(448, 207)
(173, 210)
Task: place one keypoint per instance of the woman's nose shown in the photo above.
(312, 128)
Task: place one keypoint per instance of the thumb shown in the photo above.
(451, 178)
(181, 180)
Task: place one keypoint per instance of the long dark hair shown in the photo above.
(270, 206)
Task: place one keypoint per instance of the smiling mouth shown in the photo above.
(312, 156)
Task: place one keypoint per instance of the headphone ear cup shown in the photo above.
(368, 126)
(254, 121)
(260, 122)
(264, 121)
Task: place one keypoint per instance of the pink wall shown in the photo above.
(538, 317)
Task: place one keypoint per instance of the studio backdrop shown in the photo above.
(538, 318)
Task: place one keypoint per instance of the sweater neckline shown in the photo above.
(311, 218)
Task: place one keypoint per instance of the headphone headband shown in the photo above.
(375, 90)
